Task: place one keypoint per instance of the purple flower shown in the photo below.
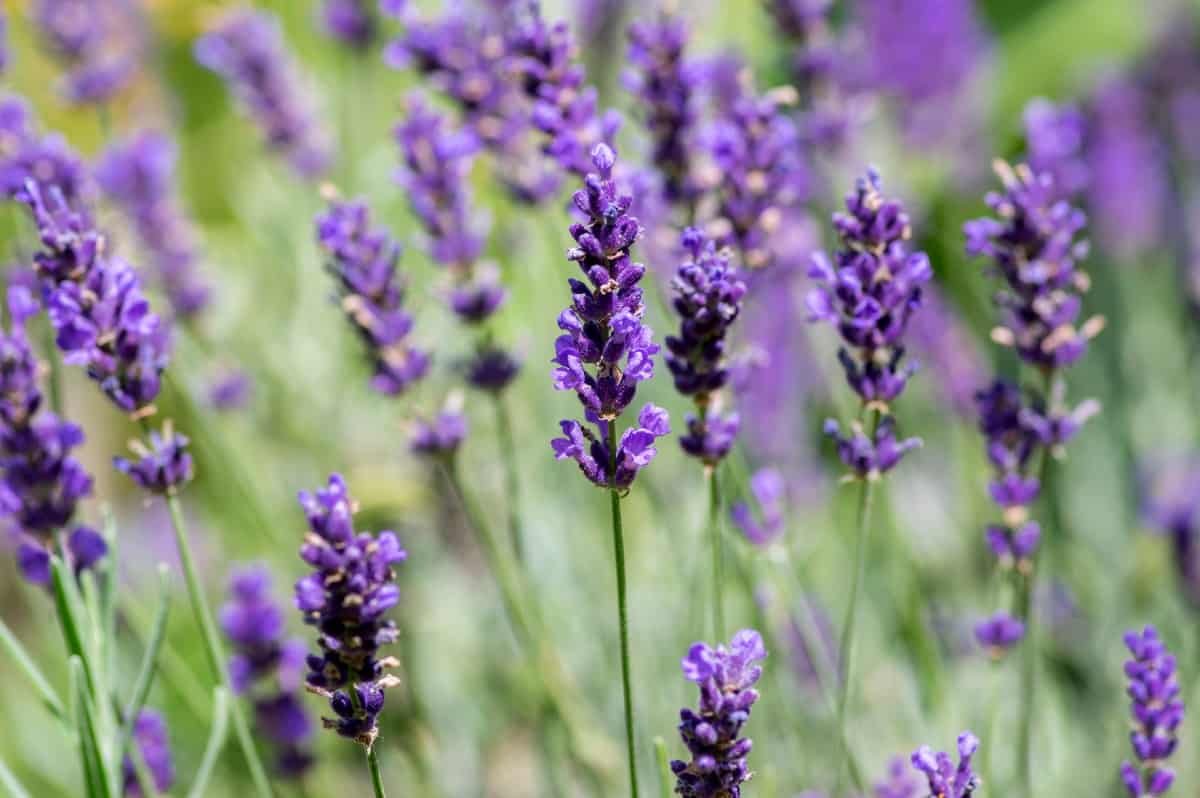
(871, 290)
(364, 261)
(139, 174)
(819, 69)
(350, 22)
(900, 782)
(246, 48)
(267, 668)
(491, 369)
(945, 779)
(726, 678)
(441, 436)
(230, 390)
(96, 42)
(760, 174)
(345, 598)
(25, 156)
(663, 82)
(1032, 246)
(605, 349)
(999, 633)
(1157, 712)
(163, 464)
(770, 493)
(150, 734)
(1054, 137)
(869, 458)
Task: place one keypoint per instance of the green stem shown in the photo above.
(213, 649)
(376, 776)
(54, 381)
(1028, 686)
(866, 492)
(512, 485)
(718, 553)
(665, 776)
(622, 615)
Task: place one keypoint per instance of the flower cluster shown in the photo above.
(246, 48)
(945, 779)
(95, 43)
(870, 455)
(603, 329)
(268, 668)
(760, 173)
(163, 464)
(1033, 247)
(364, 261)
(25, 156)
(345, 598)
(139, 175)
(150, 734)
(350, 22)
(542, 59)
(40, 482)
(726, 677)
(900, 783)
(999, 633)
(708, 297)
(664, 83)
(1157, 712)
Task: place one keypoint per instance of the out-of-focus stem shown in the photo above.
(622, 614)
(512, 484)
(718, 553)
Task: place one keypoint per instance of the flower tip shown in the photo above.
(603, 157)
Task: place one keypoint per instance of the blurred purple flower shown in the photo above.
(999, 633)
(163, 464)
(349, 22)
(770, 494)
(150, 734)
(1157, 711)
(946, 345)
(25, 155)
(441, 436)
(1171, 506)
(230, 390)
(1054, 137)
(899, 783)
(98, 43)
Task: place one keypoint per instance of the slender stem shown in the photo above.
(376, 776)
(512, 485)
(213, 649)
(866, 493)
(665, 776)
(1028, 686)
(622, 615)
(54, 381)
(718, 553)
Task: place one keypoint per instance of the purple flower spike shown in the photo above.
(770, 491)
(945, 779)
(346, 597)
(163, 465)
(150, 734)
(268, 668)
(25, 156)
(999, 633)
(139, 174)
(364, 259)
(440, 437)
(246, 48)
(97, 44)
(1157, 712)
(1054, 137)
(867, 458)
(726, 678)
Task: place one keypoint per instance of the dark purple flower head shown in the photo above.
(664, 83)
(491, 369)
(267, 667)
(710, 436)
(945, 779)
(999, 633)
(363, 259)
(1157, 711)
(871, 290)
(139, 174)
(726, 677)
(350, 22)
(346, 598)
(246, 48)
(867, 458)
(770, 492)
(1054, 136)
(163, 464)
(1032, 246)
(759, 173)
(150, 735)
(635, 449)
(440, 436)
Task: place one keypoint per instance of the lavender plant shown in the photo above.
(1157, 712)
(945, 778)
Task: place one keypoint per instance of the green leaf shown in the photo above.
(95, 773)
(665, 776)
(149, 667)
(69, 606)
(216, 741)
(19, 655)
(14, 788)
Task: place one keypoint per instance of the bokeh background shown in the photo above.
(466, 721)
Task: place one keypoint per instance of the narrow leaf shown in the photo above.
(216, 741)
(11, 785)
(68, 605)
(94, 772)
(665, 776)
(21, 657)
(149, 667)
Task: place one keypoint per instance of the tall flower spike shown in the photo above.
(1157, 712)
(345, 598)
(139, 174)
(605, 349)
(246, 48)
(1033, 247)
(726, 678)
(708, 297)
(945, 779)
(363, 259)
(268, 668)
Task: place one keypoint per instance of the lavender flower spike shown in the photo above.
(345, 598)
(945, 779)
(605, 349)
(708, 298)
(364, 259)
(246, 48)
(163, 466)
(726, 677)
(1157, 712)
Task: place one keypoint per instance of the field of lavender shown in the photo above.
(406, 398)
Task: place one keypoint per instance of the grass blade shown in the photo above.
(21, 657)
(12, 786)
(149, 666)
(68, 604)
(94, 772)
(216, 741)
